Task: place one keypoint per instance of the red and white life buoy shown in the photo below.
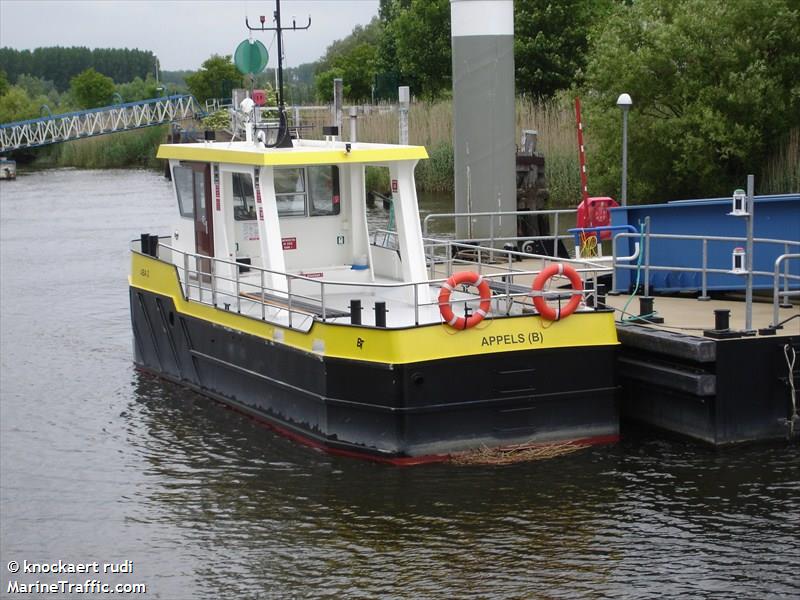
(471, 278)
(555, 314)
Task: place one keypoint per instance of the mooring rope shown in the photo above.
(792, 393)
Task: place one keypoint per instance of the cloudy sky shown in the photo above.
(182, 33)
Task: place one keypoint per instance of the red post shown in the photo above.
(581, 152)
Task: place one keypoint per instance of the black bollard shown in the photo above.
(600, 292)
(645, 305)
(153, 248)
(722, 318)
(380, 314)
(722, 327)
(144, 244)
(355, 312)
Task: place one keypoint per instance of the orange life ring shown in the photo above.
(471, 278)
(538, 285)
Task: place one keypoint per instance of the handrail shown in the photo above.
(492, 238)
(182, 259)
(775, 286)
(704, 269)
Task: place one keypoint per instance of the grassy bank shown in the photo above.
(135, 148)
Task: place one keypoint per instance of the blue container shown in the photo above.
(776, 217)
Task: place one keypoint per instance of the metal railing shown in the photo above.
(704, 269)
(776, 274)
(492, 216)
(209, 280)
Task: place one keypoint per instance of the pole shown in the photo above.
(581, 152)
(624, 156)
(280, 55)
(748, 323)
(338, 91)
(404, 97)
(353, 117)
(284, 139)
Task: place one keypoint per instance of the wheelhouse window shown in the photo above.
(311, 191)
(323, 186)
(244, 204)
(290, 192)
(184, 184)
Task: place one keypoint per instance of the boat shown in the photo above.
(272, 297)
(8, 168)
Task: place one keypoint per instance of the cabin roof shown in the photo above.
(303, 152)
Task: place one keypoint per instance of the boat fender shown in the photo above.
(473, 279)
(556, 314)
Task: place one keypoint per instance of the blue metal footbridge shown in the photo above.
(97, 121)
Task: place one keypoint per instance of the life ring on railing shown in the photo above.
(471, 278)
(539, 302)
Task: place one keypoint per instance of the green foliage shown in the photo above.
(356, 68)
(135, 148)
(4, 85)
(92, 89)
(714, 85)
(550, 43)
(354, 60)
(16, 105)
(59, 64)
(218, 120)
(437, 173)
(416, 42)
(215, 79)
(139, 89)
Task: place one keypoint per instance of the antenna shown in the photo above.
(282, 133)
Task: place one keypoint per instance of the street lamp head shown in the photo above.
(624, 101)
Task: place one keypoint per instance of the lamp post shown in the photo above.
(624, 102)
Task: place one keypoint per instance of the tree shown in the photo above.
(357, 70)
(3, 83)
(714, 85)
(416, 42)
(91, 89)
(353, 59)
(216, 78)
(16, 105)
(550, 42)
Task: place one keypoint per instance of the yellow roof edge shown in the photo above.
(306, 156)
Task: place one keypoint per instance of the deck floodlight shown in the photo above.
(739, 208)
(738, 260)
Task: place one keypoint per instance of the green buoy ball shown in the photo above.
(251, 57)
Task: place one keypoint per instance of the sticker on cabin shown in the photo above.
(394, 185)
(216, 188)
(250, 231)
(317, 275)
(258, 188)
(340, 240)
(290, 244)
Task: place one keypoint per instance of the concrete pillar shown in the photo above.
(484, 124)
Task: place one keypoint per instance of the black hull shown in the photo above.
(393, 412)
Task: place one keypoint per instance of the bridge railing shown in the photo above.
(97, 121)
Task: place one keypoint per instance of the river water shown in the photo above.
(101, 463)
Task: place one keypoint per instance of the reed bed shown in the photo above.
(431, 125)
(135, 148)
(782, 171)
